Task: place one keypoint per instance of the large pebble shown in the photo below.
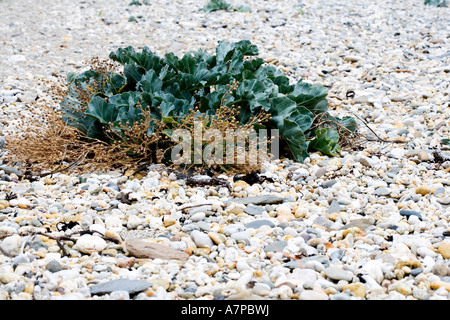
(89, 243)
(129, 285)
(338, 274)
(201, 240)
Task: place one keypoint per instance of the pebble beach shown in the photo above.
(370, 224)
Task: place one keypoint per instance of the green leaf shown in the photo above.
(215, 5)
(326, 141)
(348, 122)
(150, 82)
(436, 3)
(102, 111)
(225, 50)
(311, 96)
(295, 139)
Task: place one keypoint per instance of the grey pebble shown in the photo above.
(53, 266)
(276, 246)
(382, 192)
(258, 200)
(259, 223)
(408, 213)
(128, 285)
(334, 207)
(254, 210)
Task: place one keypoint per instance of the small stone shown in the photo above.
(240, 184)
(399, 98)
(201, 239)
(334, 207)
(6, 231)
(169, 222)
(134, 221)
(441, 270)
(408, 213)
(258, 200)
(198, 216)
(150, 250)
(261, 289)
(435, 285)
(8, 277)
(259, 223)
(423, 190)
(10, 170)
(216, 238)
(254, 210)
(423, 156)
(357, 289)
(365, 162)
(284, 209)
(397, 153)
(127, 263)
(312, 295)
(241, 236)
(444, 250)
(320, 172)
(382, 192)
(89, 243)
(334, 164)
(352, 58)
(128, 285)
(11, 244)
(53, 266)
(438, 191)
(338, 274)
(359, 223)
(276, 246)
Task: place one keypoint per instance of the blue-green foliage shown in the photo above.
(170, 87)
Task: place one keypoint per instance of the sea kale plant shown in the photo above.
(154, 95)
(129, 110)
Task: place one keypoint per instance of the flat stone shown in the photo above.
(397, 153)
(365, 162)
(10, 170)
(201, 240)
(149, 250)
(320, 172)
(357, 289)
(257, 200)
(259, 223)
(312, 295)
(439, 190)
(241, 236)
(393, 172)
(254, 210)
(53, 266)
(444, 250)
(90, 243)
(423, 190)
(352, 58)
(338, 274)
(334, 207)
(360, 223)
(128, 285)
(408, 213)
(382, 192)
(329, 183)
(276, 246)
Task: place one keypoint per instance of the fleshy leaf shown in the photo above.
(326, 141)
